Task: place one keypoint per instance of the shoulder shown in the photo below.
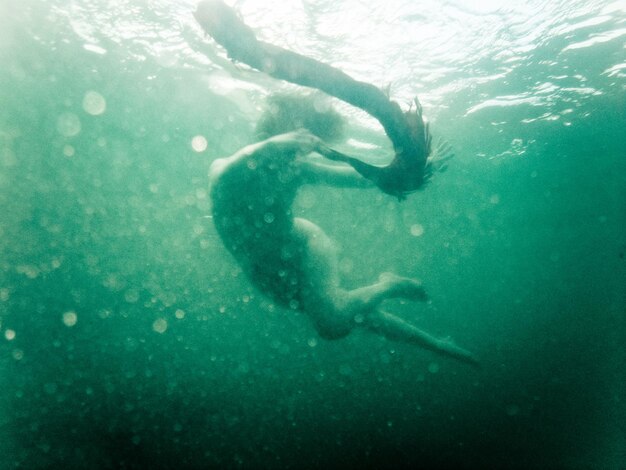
(216, 170)
(217, 167)
(222, 165)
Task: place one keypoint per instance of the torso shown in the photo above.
(252, 214)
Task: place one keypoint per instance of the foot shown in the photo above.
(449, 348)
(405, 287)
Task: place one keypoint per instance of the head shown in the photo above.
(287, 112)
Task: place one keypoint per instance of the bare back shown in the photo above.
(252, 192)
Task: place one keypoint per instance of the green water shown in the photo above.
(129, 337)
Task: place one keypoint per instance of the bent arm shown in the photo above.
(277, 149)
(284, 148)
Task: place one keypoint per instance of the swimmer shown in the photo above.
(291, 259)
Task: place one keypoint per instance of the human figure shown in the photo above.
(291, 259)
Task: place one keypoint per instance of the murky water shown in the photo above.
(129, 337)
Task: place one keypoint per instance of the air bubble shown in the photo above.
(417, 230)
(70, 318)
(131, 296)
(160, 325)
(68, 151)
(94, 103)
(199, 143)
(68, 124)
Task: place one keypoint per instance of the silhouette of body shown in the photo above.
(291, 259)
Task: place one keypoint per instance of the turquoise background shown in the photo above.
(129, 337)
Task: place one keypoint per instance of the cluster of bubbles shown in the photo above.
(69, 125)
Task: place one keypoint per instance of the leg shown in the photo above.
(335, 311)
(396, 329)
(321, 297)
(390, 286)
(365, 301)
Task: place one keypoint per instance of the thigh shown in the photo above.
(319, 260)
(322, 298)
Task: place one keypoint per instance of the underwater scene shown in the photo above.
(133, 331)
